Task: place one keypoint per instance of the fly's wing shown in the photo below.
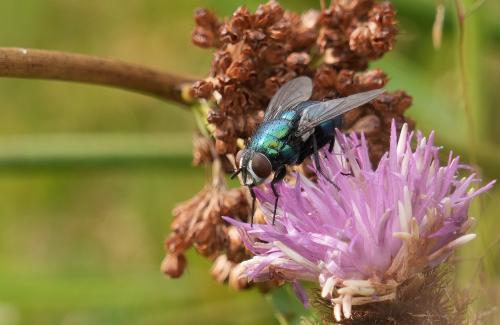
(325, 111)
(288, 96)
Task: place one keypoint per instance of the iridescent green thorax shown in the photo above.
(272, 138)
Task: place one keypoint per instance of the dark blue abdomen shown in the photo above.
(324, 133)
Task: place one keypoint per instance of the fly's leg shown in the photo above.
(235, 173)
(330, 146)
(252, 193)
(276, 198)
(330, 150)
(318, 165)
(350, 173)
(278, 176)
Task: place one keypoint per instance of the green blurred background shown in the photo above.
(89, 175)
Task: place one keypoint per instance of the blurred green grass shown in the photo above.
(83, 245)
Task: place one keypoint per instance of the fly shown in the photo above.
(294, 127)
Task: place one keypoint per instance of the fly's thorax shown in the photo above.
(271, 136)
(289, 115)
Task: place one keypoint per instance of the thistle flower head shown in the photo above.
(386, 224)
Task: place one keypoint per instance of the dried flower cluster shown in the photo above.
(258, 52)
(197, 223)
(386, 225)
(255, 53)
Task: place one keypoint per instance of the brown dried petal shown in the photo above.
(237, 279)
(223, 147)
(394, 103)
(202, 150)
(202, 89)
(222, 60)
(173, 265)
(372, 79)
(221, 268)
(356, 7)
(279, 31)
(273, 53)
(207, 18)
(203, 38)
(345, 82)
(207, 27)
(256, 35)
(176, 243)
(360, 39)
(375, 37)
(233, 30)
(268, 14)
(350, 82)
(236, 251)
(351, 117)
(368, 124)
(235, 203)
(298, 58)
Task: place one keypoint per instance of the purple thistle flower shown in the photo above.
(384, 226)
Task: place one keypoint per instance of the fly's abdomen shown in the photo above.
(326, 131)
(328, 128)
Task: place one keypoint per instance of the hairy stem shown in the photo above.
(53, 65)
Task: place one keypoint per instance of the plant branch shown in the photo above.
(53, 65)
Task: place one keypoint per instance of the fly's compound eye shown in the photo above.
(261, 166)
(239, 155)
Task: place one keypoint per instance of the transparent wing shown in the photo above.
(289, 95)
(325, 111)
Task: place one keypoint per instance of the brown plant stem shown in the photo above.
(54, 65)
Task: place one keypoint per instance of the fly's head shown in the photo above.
(254, 166)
